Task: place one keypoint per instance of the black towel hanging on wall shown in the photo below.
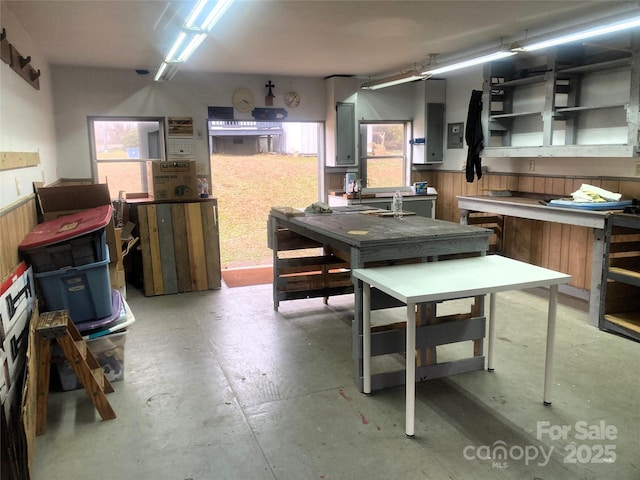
(473, 136)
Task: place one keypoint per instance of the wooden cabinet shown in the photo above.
(620, 301)
(572, 101)
(179, 245)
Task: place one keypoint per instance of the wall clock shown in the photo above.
(243, 100)
(292, 99)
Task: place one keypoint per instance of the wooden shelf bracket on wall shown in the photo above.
(19, 63)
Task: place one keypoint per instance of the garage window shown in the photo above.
(383, 157)
(120, 148)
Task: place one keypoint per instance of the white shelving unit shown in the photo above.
(572, 101)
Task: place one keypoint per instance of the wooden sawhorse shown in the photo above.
(58, 326)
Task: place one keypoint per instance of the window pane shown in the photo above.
(123, 139)
(385, 153)
(127, 176)
(385, 140)
(121, 148)
(384, 172)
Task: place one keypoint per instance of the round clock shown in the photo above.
(243, 100)
(292, 99)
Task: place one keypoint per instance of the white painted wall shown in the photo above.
(82, 92)
(26, 117)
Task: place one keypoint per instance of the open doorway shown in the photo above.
(254, 166)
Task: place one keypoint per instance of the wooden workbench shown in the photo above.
(350, 239)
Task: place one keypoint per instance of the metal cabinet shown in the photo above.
(345, 134)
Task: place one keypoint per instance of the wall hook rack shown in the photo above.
(19, 63)
(24, 61)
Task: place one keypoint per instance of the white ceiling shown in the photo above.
(316, 38)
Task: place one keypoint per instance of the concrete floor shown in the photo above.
(219, 386)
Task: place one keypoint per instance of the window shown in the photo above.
(383, 147)
(120, 148)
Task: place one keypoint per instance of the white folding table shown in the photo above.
(448, 280)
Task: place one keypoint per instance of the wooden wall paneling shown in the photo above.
(195, 241)
(459, 182)
(517, 237)
(558, 187)
(154, 250)
(548, 186)
(554, 246)
(565, 248)
(211, 243)
(630, 189)
(537, 251)
(448, 196)
(539, 184)
(167, 253)
(611, 185)
(578, 257)
(16, 222)
(181, 247)
(525, 183)
(145, 249)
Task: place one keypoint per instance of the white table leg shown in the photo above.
(492, 330)
(551, 340)
(410, 379)
(366, 337)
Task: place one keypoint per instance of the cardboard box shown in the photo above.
(172, 180)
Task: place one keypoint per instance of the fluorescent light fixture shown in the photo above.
(613, 27)
(435, 70)
(166, 72)
(210, 18)
(409, 76)
(171, 56)
(191, 47)
(193, 34)
(216, 14)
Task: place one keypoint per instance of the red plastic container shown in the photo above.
(70, 241)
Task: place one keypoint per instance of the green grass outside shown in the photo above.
(246, 188)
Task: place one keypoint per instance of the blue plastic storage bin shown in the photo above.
(84, 291)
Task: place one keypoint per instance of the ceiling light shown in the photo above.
(191, 47)
(194, 31)
(409, 76)
(166, 71)
(616, 26)
(436, 70)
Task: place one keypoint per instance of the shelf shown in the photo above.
(627, 320)
(595, 67)
(500, 116)
(570, 110)
(624, 275)
(518, 82)
(565, 94)
(568, 151)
